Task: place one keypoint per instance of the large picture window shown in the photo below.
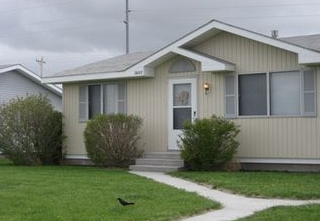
(101, 98)
(271, 94)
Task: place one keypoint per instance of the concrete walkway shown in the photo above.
(234, 206)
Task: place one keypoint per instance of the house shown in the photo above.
(268, 86)
(18, 81)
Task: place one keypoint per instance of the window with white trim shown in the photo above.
(101, 98)
(291, 93)
(182, 65)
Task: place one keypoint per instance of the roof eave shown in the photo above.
(207, 64)
(134, 72)
(308, 57)
(34, 77)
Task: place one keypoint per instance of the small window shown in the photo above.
(182, 65)
(101, 98)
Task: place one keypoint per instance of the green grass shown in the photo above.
(290, 213)
(89, 194)
(261, 184)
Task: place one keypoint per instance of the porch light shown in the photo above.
(206, 87)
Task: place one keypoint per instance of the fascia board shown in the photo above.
(136, 73)
(207, 64)
(22, 70)
(34, 77)
(304, 55)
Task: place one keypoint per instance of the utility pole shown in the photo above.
(41, 62)
(126, 22)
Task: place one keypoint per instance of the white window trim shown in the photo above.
(86, 102)
(268, 73)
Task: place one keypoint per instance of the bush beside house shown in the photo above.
(31, 131)
(112, 140)
(208, 144)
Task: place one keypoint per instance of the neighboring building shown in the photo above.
(18, 81)
(268, 86)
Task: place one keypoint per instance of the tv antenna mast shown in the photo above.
(41, 62)
(126, 22)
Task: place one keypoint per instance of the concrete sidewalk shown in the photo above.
(234, 206)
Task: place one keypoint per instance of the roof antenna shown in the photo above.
(126, 22)
(41, 62)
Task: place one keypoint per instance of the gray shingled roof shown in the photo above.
(123, 62)
(116, 64)
(307, 41)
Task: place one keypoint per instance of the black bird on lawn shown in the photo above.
(124, 203)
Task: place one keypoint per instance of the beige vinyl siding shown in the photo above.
(213, 102)
(261, 137)
(249, 56)
(74, 130)
(148, 98)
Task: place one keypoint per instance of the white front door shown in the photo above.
(182, 107)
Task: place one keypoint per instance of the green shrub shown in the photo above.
(31, 131)
(112, 140)
(208, 144)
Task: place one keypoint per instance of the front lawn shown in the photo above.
(260, 184)
(86, 193)
(287, 213)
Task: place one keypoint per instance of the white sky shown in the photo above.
(71, 33)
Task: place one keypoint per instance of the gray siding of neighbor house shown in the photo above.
(14, 84)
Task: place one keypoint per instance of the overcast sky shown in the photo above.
(71, 33)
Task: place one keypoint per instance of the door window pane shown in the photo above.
(181, 115)
(182, 95)
(285, 93)
(252, 94)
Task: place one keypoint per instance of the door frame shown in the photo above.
(173, 134)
